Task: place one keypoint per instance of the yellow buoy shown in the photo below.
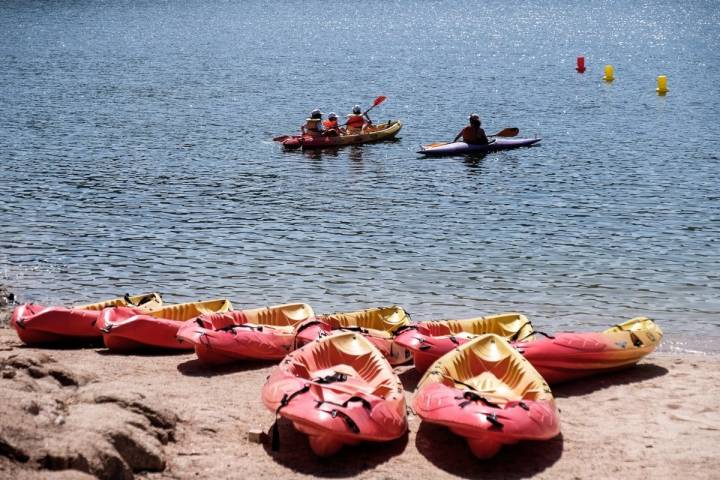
(609, 73)
(662, 85)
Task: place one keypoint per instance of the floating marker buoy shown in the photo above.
(580, 64)
(662, 85)
(609, 73)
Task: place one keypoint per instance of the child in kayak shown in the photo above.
(313, 125)
(332, 129)
(473, 134)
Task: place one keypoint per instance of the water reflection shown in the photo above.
(475, 163)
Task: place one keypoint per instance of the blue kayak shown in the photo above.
(460, 148)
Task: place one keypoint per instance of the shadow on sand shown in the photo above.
(295, 454)
(195, 368)
(584, 386)
(409, 378)
(450, 453)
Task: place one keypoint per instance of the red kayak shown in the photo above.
(486, 392)
(568, 356)
(377, 324)
(37, 325)
(339, 390)
(125, 329)
(429, 341)
(257, 334)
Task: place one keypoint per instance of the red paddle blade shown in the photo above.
(379, 100)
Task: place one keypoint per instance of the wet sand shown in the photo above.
(165, 416)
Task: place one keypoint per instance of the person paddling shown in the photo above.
(356, 120)
(313, 125)
(473, 134)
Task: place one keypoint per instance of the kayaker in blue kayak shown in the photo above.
(313, 125)
(473, 134)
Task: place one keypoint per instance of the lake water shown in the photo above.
(136, 154)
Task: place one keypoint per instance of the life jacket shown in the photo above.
(355, 120)
(313, 124)
(329, 124)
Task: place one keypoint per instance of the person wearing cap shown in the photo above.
(331, 125)
(313, 125)
(356, 120)
(473, 134)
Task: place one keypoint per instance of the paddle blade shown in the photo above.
(436, 144)
(508, 132)
(379, 100)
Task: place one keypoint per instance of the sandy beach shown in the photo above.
(165, 416)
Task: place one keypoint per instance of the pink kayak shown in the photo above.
(429, 341)
(125, 329)
(568, 356)
(377, 324)
(487, 393)
(339, 390)
(256, 334)
(36, 324)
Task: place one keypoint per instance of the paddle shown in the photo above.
(505, 132)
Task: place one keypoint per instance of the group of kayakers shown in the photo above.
(357, 122)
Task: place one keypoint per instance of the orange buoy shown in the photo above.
(661, 85)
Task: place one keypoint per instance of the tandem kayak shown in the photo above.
(378, 133)
(460, 148)
(125, 329)
(36, 324)
(429, 341)
(253, 334)
(339, 390)
(488, 393)
(569, 356)
(379, 325)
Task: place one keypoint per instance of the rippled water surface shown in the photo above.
(135, 152)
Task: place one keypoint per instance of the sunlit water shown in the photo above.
(136, 155)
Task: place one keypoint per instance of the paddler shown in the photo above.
(356, 120)
(313, 125)
(331, 126)
(473, 134)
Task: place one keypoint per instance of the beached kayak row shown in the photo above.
(485, 378)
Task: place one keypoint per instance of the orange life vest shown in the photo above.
(328, 124)
(355, 120)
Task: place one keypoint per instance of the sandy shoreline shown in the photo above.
(99, 412)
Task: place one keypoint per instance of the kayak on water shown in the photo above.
(459, 148)
(375, 133)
